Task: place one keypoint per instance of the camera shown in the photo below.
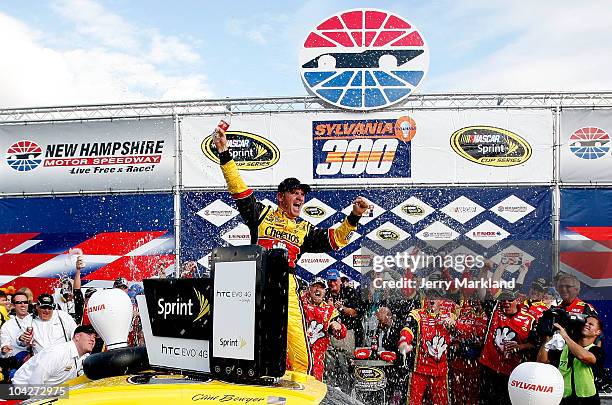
(570, 321)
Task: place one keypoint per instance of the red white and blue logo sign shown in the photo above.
(363, 59)
(589, 143)
(24, 156)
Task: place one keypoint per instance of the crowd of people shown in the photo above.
(460, 347)
(44, 340)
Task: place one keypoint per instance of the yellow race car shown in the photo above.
(159, 388)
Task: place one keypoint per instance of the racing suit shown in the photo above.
(318, 318)
(467, 340)
(272, 228)
(498, 365)
(430, 370)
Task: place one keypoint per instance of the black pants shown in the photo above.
(573, 400)
(493, 388)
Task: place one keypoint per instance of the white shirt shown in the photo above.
(10, 332)
(52, 366)
(50, 333)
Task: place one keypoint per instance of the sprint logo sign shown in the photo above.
(362, 148)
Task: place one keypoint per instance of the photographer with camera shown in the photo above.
(578, 361)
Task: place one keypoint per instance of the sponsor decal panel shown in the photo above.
(437, 234)
(316, 262)
(363, 59)
(217, 212)
(412, 210)
(388, 235)
(462, 209)
(589, 143)
(316, 211)
(490, 146)
(362, 148)
(249, 151)
(487, 234)
(512, 209)
(238, 236)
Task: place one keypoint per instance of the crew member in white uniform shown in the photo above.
(60, 363)
(14, 327)
(49, 328)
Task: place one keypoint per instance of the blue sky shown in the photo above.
(58, 52)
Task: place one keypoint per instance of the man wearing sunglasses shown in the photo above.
(10, 345)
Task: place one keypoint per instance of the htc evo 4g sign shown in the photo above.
(249, 151)
(179, 308)
(490, 146)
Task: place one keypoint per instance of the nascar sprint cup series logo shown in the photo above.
(362, 148)
(363, 59)
(490, 146)
(249, 151)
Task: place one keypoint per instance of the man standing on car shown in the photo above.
(280, 228)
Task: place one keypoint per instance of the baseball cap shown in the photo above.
(89, 292)
(318, 280)
(84, 329)
(333, 274)
(292, 183)
(120, 282)
(539, 284)
(45, 300)
(507, 295)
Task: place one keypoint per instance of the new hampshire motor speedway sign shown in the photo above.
(92, 156)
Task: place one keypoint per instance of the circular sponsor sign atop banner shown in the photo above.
(589, 143)
(24, 156)
(363, 59)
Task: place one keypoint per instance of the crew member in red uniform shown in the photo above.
(507, 340)
(535, 304)
(467, 338)
(427, 334)
(568, 287)
(281, 228)
(322, 320)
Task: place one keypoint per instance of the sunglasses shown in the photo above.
(45, 306)
(20, 302)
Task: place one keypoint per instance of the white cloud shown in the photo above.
(563, 47)
(113, 62)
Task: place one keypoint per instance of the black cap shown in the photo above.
(507, 295)
(45, 300)
(84, 329)
(120, 282)
(90, 292)
(291, 184)
(539, 285)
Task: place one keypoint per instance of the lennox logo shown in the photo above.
(363, 59)
(250, 151)
(490, 146)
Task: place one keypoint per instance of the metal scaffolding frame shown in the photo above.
(254, 105)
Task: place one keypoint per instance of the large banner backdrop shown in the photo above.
(513, 221)
(120, 236)
(586, 240)
(88, 156)
(444, 147)
(586, 151)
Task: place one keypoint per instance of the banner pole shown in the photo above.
(178, 178)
